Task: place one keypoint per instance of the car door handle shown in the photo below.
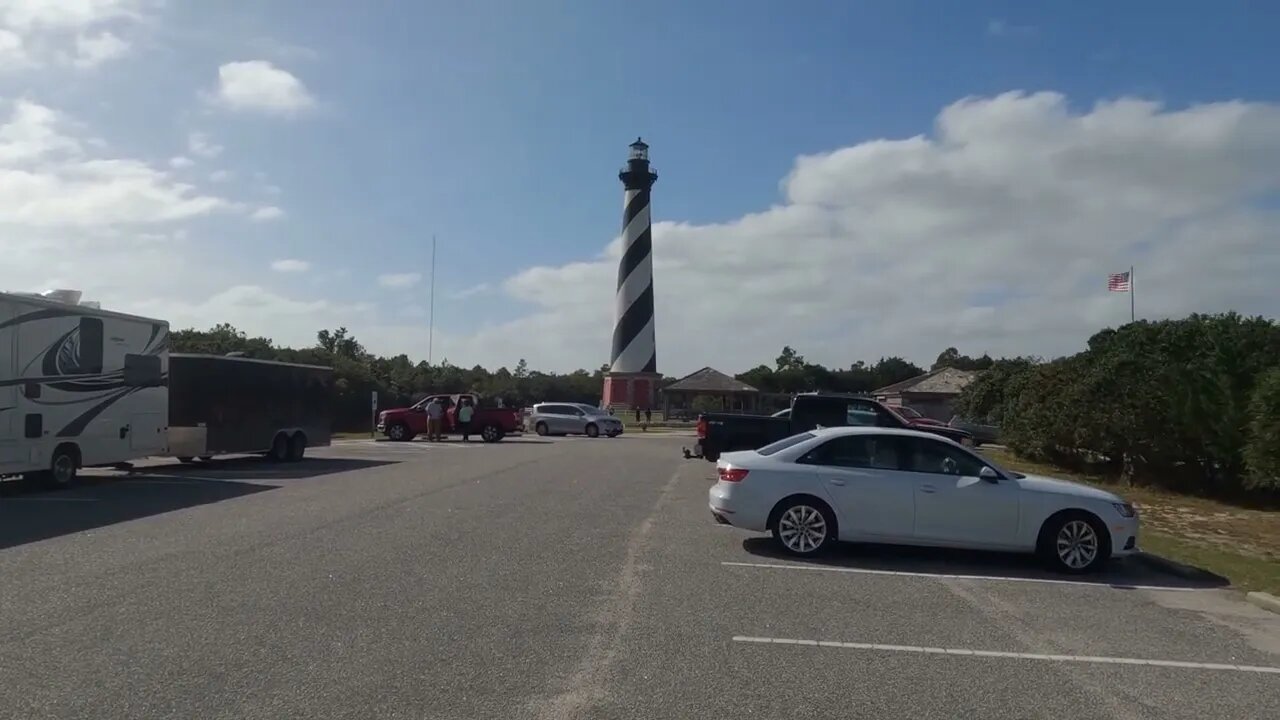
(835, 481)
(928, 489)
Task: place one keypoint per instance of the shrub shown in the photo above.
(1262, 453)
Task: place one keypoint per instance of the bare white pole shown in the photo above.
(431, 320)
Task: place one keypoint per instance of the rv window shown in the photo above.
(89, 352)
(142, 371)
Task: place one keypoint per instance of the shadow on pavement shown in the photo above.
(101, 498)
(252, 467)
(1121, 573)
(458, 441)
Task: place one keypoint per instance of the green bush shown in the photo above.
(1262, 453)
(1170, 403)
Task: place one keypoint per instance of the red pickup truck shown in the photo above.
(489, 422)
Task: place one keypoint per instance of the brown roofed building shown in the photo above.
(933, 394)
(729, 392)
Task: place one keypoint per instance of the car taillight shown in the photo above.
(732, 474)
(702, 428)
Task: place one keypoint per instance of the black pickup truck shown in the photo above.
(725, 432)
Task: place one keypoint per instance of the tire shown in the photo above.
(297, 447)
(399, 432)
(592, 430)
(541, 429)
(711, 456)
(1075, 543)
(186, 459)
(279, 451)
(491, 433)
(62, 469)
(804, 527)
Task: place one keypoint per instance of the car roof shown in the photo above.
(869, 430)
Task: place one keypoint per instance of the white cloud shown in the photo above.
(93, 50)
(399, 280)
(47, 180)
(994, 234)
(283, 50)
(34, 33)
(180, 161)
(34, 132)
(289, 265)
(265, 214)
(13, 51)
(222, 176)
(69, 14)
(259, 311)
(74, 215)
(258, 85)
(201, 145)
(479, 289)
(997, 27)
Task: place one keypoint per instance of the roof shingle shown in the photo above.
(709, 380)
(947, 381)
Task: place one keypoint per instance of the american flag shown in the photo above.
(1118, 282)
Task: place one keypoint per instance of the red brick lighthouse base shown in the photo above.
(628, 391)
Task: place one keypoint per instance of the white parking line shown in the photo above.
(952, 576)
(1015, 655)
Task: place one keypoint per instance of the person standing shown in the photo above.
(648, 416)
(435, 416)
(464, 419)
(637, 407)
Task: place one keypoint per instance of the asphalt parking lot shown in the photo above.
(562, 578)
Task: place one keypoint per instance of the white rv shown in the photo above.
(79, 386)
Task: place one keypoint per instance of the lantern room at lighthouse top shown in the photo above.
(639, 150)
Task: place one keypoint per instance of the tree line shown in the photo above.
(400, 381)
(1190, 404)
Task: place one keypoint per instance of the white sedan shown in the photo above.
(870, 484)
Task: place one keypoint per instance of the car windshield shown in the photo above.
(785, 443)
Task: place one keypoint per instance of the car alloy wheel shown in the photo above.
(802, 529)
(1077, 545)
(490, 433)
(541, 429)
(592, 430)
(396, 432)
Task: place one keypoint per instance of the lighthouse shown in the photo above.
(633, 375)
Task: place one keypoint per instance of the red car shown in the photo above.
(913, 417)
(490, 423)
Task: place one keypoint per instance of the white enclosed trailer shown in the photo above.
(79, 386)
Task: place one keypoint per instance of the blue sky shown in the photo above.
(500, 126)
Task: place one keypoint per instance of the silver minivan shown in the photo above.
(572, 419)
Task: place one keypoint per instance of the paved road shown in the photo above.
(569, 578)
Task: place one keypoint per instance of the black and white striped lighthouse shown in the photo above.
(633, 365)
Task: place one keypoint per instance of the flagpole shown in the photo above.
(431, 321)
(1132, 286)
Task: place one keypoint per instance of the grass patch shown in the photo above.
(1240, 544)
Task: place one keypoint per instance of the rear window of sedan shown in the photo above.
(783, 444)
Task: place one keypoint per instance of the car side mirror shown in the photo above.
(988, 474)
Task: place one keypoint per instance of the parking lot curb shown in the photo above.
(1266, 601)
(1177, 569)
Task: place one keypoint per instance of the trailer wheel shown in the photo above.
(279, 449)
(297, 447)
